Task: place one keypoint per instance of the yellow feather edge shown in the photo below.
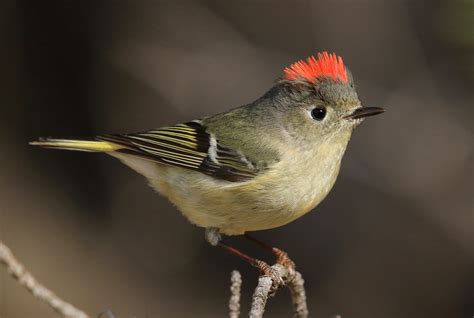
(78, 145)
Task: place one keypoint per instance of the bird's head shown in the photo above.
(317, 98)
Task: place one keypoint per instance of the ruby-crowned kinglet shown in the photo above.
(254, 167)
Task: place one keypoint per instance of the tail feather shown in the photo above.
(77, 145)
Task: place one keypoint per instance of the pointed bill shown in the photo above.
(362, 112)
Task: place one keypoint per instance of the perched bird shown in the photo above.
(254, 167)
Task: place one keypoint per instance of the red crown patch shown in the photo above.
(326, 65)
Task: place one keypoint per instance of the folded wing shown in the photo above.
(187, 146)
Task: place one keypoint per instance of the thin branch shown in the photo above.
(298, 296)
(234, 302)
(260, 296)
(25, 279)
(267, 287)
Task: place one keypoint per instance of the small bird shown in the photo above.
(254, 167)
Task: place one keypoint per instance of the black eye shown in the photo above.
(318, 113)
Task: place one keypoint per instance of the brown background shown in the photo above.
(393, 239)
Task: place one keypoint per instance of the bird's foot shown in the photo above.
(264, 268)
(213, 236)
(284, 260)
(269, 271)
(282, 257)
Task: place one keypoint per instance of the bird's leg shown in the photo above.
(266, 269)
(213, 236)
(281, 256)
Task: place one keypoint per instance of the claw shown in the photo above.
(284, 260)
(282, 257)
(269, 271)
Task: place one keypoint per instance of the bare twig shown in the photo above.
(234, 302)
(267, 286)
(260, 296)
(298, 296)
(25, 279)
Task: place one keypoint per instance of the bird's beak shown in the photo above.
(362, 112)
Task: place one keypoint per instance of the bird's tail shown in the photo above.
(77, 145)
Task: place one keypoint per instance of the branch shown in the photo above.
(267, 287)
(260, 296)
(234, 302)
(25, 279)
(298, 296)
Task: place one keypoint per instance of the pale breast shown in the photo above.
(307, 179)
(284, 193)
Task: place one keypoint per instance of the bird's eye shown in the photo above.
(318, 113)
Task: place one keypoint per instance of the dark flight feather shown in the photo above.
(187, 146)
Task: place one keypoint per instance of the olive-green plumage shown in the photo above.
(254, 167)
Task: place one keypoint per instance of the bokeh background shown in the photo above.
(393, 239)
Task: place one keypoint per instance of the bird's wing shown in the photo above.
(188, 146)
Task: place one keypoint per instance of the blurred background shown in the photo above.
(393, 239)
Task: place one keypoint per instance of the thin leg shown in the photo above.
(252, 261)
(282, 257)
(261, 265)
(213, 236)
(258, 242)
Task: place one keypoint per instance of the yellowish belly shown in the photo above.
(279, 196)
